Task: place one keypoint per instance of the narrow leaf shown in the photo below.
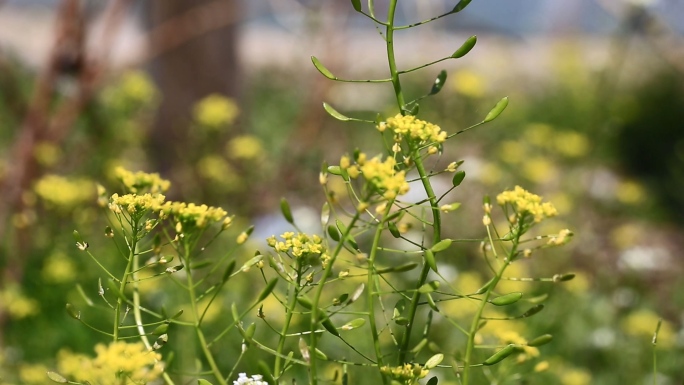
(500, 355)
(285, 209)
(56, 377)
(321, 68)
(202, 381)
(439, 82)
(541, 340)
(429, 287)
(393, 229)
(334, 113)
(268, 289)
(357, 5)
(73, 312)
(441, 245)
(497, 110)
(465, 47)
(460, 6)
(434, 361)
(533, 310)
(430, 259)
(506, 299)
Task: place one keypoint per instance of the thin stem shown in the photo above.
(317, 297)
(394, 74)
(291, 303)
(124, 279)
(478, 316)
(437, 231)
(195, 312)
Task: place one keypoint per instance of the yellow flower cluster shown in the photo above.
(134, 89)
(117, 363)
(64, 193)
(406, 374)
(524, 202)
(14, 302)
(136, 205)
(299, 245)
(136, 182)
(413, 128)
(215, 111)
(384, 177)
(510, 337)
(190, 215)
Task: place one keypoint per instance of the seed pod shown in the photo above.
(393, 229)
(434, 361)
(268, 289)
(497, 110)
(500, 355)
(305, 302)
(285, 209)
(441, 245)
(506, 299)
(458, 178)
(541, 340)
(465, 47)
(430, 259)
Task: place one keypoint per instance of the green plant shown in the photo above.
(400, 314)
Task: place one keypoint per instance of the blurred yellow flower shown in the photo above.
(137, 182)
(13, 301)
(58, 268)
(538, 169)
(490, 173)
(115, 364)
(538, 134)
(467, 82)
(630, 192)
(245, 147)
(217, 169)
(215, 112)
(642, 324)
(571, 144)
(575, 377)
(578, 285)
(512, 151)
(134, 88)
(47, 154)
(31, 374)
(64, 193)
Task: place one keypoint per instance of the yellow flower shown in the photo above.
(59, 268)
(134, 89)
(136, 205)
(468, 83)
(137, 182)
(13, 301)
(245, 147)
(47, 154)
(575, 377)
(216, 169)
(190, 215)
(30, 374)
(406, 374)
(415, 129)
(526, 203)
(299, 245)
(538, 169)
(64, 193)
(385, 178)
(113, 363)
(630, 192)
(215, 112)
(642, 324)
(571, 144)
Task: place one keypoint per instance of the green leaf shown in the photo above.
(563, 277)
(541, 340)
(429, 287)
(465, 47)
(506, 299)
(398, 269)
(200, 264)
(268, 289)
(234, 312)
(203, 382)
(327, 323)
(357, 5)
(73, 312)
(161, 329)
(249, 332)
(334, 113)
(353, 324)
(533, 310)
(320, 355)
(497, 110)
(285, 209)
(321, 68)
(334, 233)
(430, 259)
(305, 301)
(500, 355)
(335, 170)
(460, 6)
(228, 271)
(432, 381)
(441, 245)
(458, 178)
(485, 287)
(419, 346)
(56, 377)
(439, 83)
(434, 361)
(393, 229)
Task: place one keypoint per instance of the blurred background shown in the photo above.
(221, 98)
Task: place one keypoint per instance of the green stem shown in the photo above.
(437, 231)
(478, 316)
(291, 303)
(195, 312)
(371, 287)
(124, 279)
(317, 297)
(394, 74)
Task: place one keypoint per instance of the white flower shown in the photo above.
(254, 380)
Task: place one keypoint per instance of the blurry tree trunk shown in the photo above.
(194, 45)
